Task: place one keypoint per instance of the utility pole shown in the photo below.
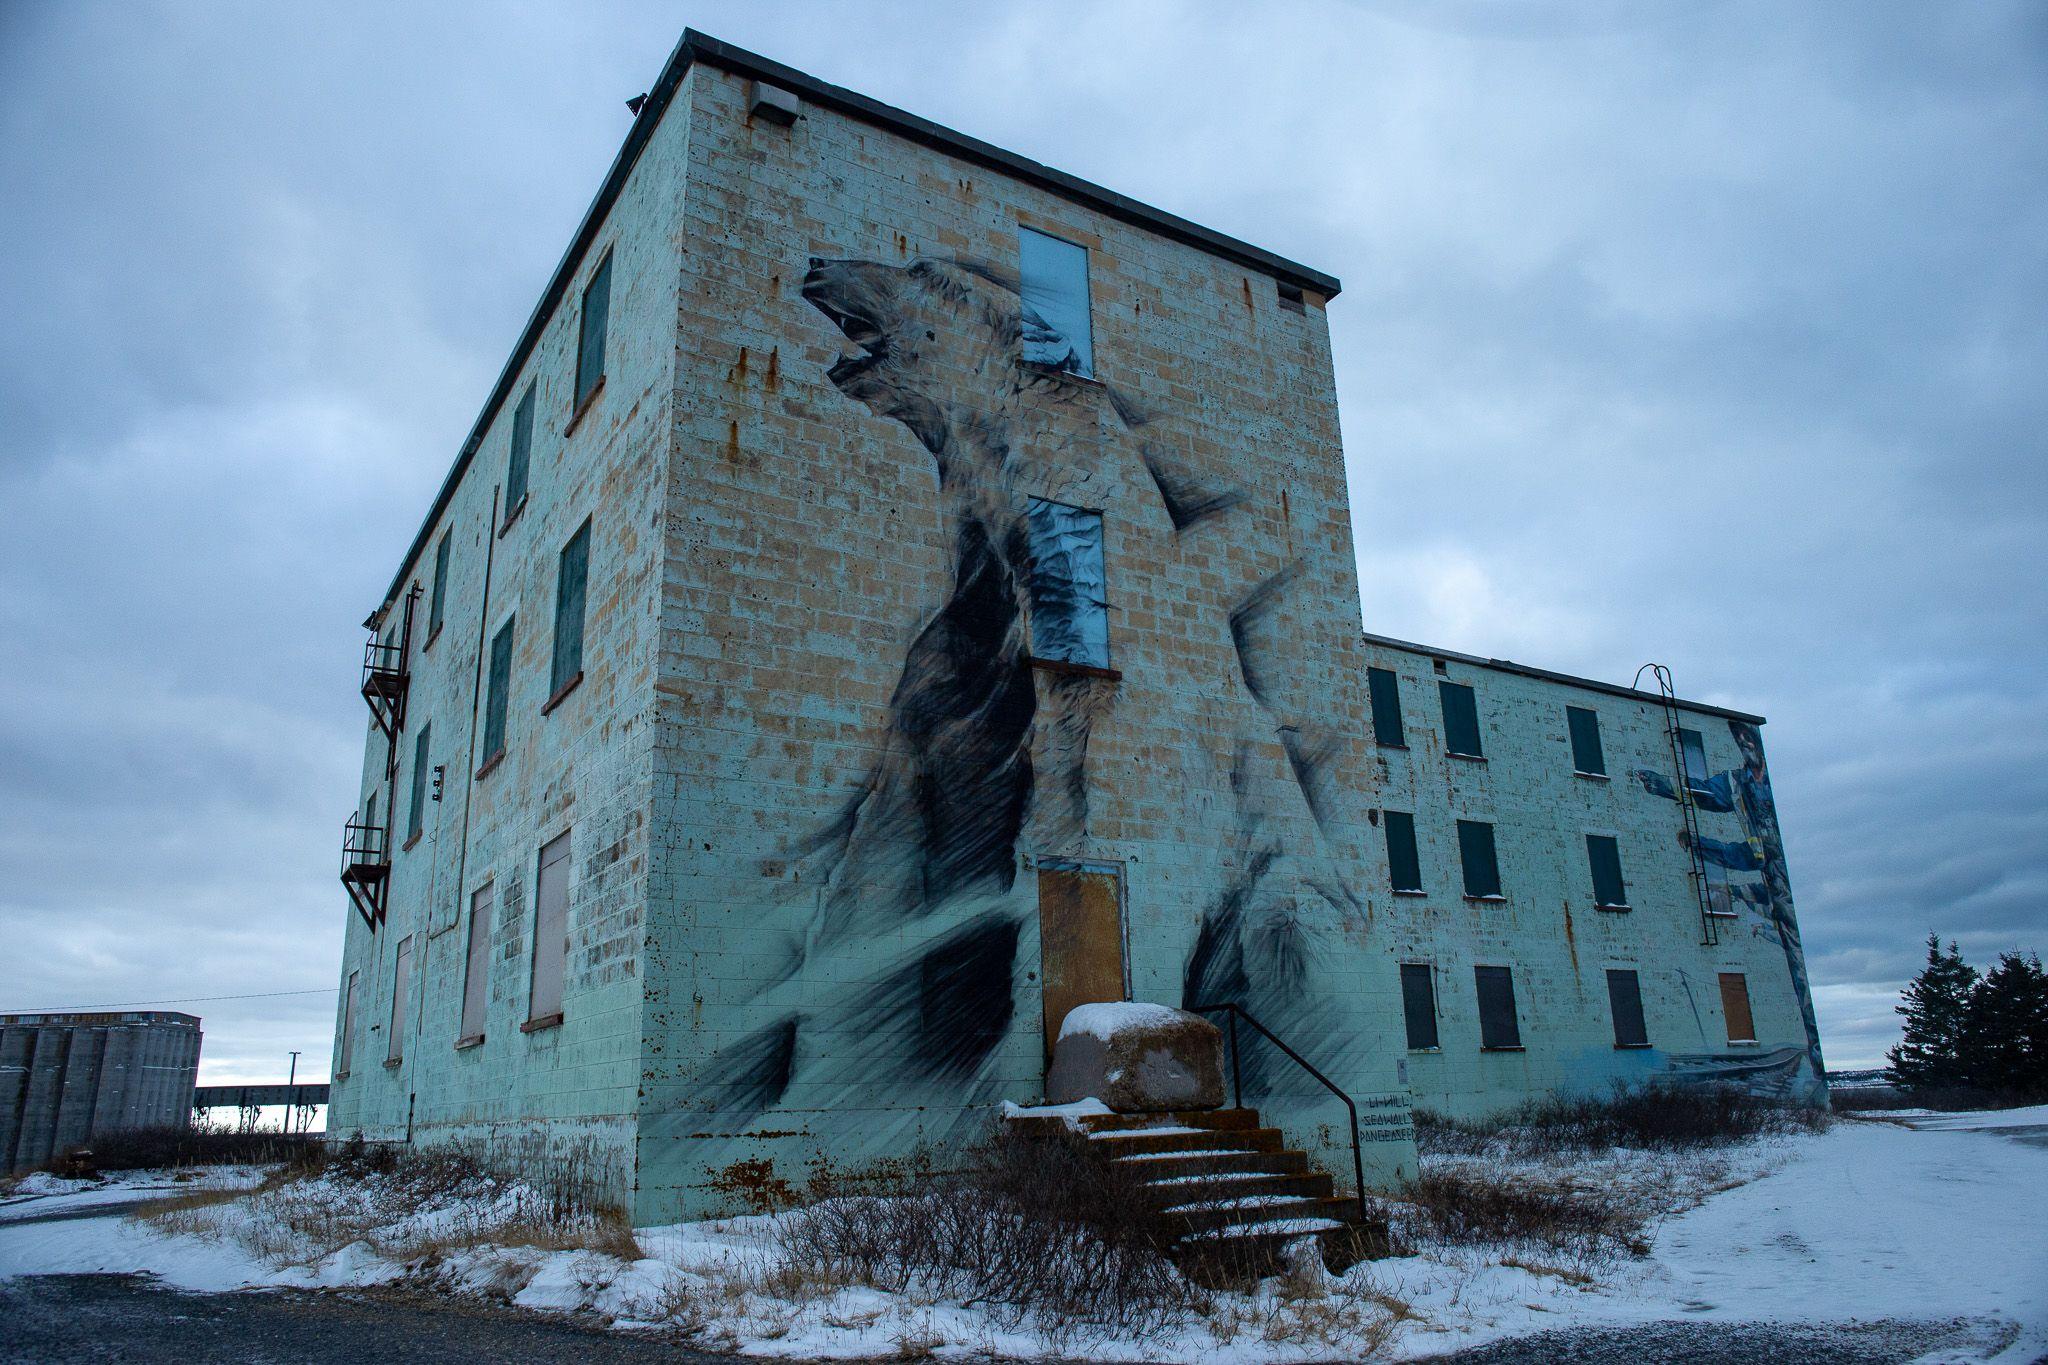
(290, 1095)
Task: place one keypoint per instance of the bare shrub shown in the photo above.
(1470, 1208)
(174, 1146)
(1648, 1118)
(1948, 1098)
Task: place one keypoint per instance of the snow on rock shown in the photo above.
(1107, 1020)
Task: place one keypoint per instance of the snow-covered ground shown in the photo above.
(1938, 1217)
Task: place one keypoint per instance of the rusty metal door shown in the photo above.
(1080, 938)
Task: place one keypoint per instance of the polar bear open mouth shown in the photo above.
(829, 291)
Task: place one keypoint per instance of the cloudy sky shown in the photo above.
(1715, 334)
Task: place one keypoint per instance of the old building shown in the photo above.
(66, 1079)
(895, 592)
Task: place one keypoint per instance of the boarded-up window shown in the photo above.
(1461, 719)
(416, 817)
(476, 970)
(1069, 609)
(1385, 689)
(437, 610)
(1694, 748)
(1057, 330)
(497, 690)
(1404, 866)
(1498, 1026)
(1475, 853)
(571, 579)
(1625, 1001)
(348, 1026)
(401, 987)
(1587, 756)
(1604, 853)
(550, 931)
(1418, 1004)
(370, 813)
(597, 304)
(1735, 1006)
(522, 452)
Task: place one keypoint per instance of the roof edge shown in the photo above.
(1551, 675)
(695, 46)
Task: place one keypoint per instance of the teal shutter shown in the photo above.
(1418, 1004)
(1404, 866)
(1498, 1026)
(438, 611)
(1461, 719)
(1605, 855)
(1625, 1001)
(597, 303)
(496, 693)
(1475, 852)
(1586, 753)
(1386, 707)
(522, 452)
(416, 818)
(570, 584)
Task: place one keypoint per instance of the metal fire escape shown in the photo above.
(365, 841)
(1688, 808)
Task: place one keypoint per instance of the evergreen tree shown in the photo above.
(2005, 1028)
(1936, 1009)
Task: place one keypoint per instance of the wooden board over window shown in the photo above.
(1081, 940)
(1735, 1005)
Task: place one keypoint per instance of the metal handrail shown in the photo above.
(1237, 1012)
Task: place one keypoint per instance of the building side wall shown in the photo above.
(860, 778)
(582, 766)
(1548, 931)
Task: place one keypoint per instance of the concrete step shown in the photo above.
(1165, 1165)
(1218, 1119)
(1236, 1185)
(1124, 1142)
(1250, 1213)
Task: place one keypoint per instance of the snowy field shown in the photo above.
(1931, 1217)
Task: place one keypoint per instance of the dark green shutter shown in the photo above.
(416, 819)
(1498, 1026)
(1461, 719)
(439, 610)
(497, 691)
(1586, 754)
(1604, 853)
(597, 302)
(1475, 851)
(1404, 867)
(1386, 707)
(1418, 1004)
(522, 452)
(1625, 1000)
(570, 583)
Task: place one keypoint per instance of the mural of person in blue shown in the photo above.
(1746, 791)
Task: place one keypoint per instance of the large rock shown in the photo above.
(1137, 1059)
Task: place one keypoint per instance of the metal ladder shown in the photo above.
(1689, 815)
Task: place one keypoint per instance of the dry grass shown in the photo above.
(1653, 1118)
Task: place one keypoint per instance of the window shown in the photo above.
(416, 818)
(437, 609)
(1498, 1027)
(1735, 1006)
(1057, 331)
(401, 986)
(1069, 617)
(1603, 851)
(1418, 1004)
(1695, 750)
(1386, 707)
(495, 691)
(1475, 852)
(1461, 720)
(522, 454)
(570, 581)
(597, 304)
(1404, 867)
(370, 811)
(348, 1024)
(1720, 900)
(550, 934)
(476, 971)
(1586, 755)
(1625, 1002)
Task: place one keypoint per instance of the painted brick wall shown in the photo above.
(1548, 931)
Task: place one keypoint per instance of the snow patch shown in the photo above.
(1108, 1019)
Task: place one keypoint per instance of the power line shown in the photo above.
(181, 1000)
